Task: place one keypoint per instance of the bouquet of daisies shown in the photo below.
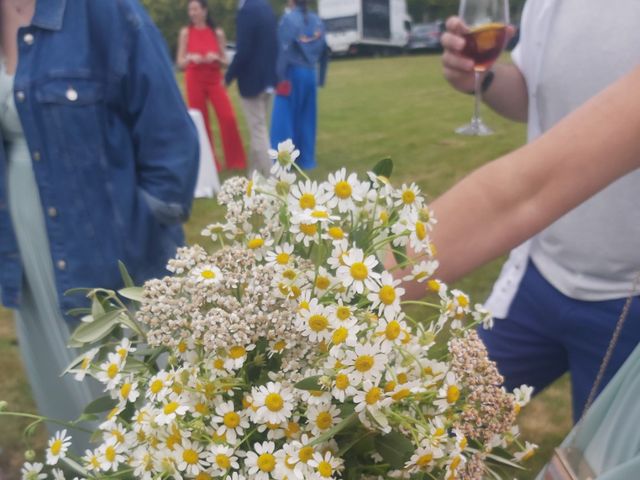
(284, 350)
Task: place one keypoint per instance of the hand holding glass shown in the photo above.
(487, 22)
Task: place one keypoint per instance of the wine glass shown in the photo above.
(486, 21)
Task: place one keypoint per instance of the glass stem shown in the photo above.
(478, 98)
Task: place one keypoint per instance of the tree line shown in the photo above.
(171, 15)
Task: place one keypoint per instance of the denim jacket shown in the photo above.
(114, 151)
(301, 38)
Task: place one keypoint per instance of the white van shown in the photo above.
(365, 26)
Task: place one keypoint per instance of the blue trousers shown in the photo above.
(547, 334)
(295, 116)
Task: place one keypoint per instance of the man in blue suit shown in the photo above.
(254, 65)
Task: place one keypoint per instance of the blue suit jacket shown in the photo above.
(254, 64)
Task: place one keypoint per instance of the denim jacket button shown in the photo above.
(61, 264)
(20, 96)
(28, 39)
(37, 156)
(72, 94)
(52, 211)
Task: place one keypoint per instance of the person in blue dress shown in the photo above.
(301, 67)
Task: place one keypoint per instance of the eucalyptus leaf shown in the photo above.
(101, 404)
(126, 278)
(384, 168)
(310, 383)
(132, 293)
(395, 448)
(99, 328)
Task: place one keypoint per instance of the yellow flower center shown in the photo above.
(387, 294)
(342, 381)
(384, 216)
(218, 364)
(282, 258)
(424, 460)
(284, 158)
(56, 447)
(339, 335)
(125, 390)
(463, 443)
(85, 363)
(343, 313)
(202, 409)
(182, 347)
(392, 331)
(317, 323)
(453, 394)
(274, 402)
(231, 419)
(402, 378)
(112, 371)
(307, 201)
(266, 462)
(364, 363)
(319, 214)
(373, 396)
(305, 454)
(336, 233)
(208, 274)
(177, 388)
(528, 455)
(359, 271)
(400, 394)
(110, 453)
(118, 436)
(292, 429)
(324, 469)
(289, 274)
(433, 285)
(249, 188)
(170, 408)
(322, 283)
(190, 456)
(203, 476)
(255, 243)
(223, 461)
(156, 386)
(390, 386)
(463, 301)
(408, 197)
(455, 463)
(421, 231)
(309, 229)
(237, 352)
(343, 189)
(279, 345)
(324, 420)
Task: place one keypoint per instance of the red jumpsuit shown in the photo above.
(205, 81)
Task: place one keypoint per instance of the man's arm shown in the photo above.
(244, 43)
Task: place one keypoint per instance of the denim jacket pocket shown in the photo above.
(71, 91)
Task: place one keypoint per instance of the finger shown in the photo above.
(451, 41)
(456, 25)
(511, 32)
(453, 61)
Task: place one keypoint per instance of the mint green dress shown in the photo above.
(609, 434)
(42, 332)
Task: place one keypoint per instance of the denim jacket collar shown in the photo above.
(49, 14)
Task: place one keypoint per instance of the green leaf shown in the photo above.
(400, 254)
(395, 448)
(76, 312)
(99, 328)
(310, 383)
(79, 290)
(383, 168)
(126, 278)
(132, 293)
(97, 309)
(134, 366)
(101, 404)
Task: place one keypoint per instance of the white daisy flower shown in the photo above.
(281, 256)
(206, 274)
(322, 417)
(386, 295)
(358, 273)
(372, 398)
(273, 401)
(110, 456)
(222, 459)
(338, 254)
(57, 474)
(283, 157)
(232, 423)
(109, 372)
(449, 393)
(261, 461)
(522, 396)
(124, 349)
(299, 453)
(32, 471)
(91, 460)
(345, 191)
(392, 330)
(235, 476)
(327, 465)
(304, 229)
(424, 458)
(128, 391)
(281, 183)
(314, 323)
(342, 387)
(322, 280)
(142, 463)
(334, 233)
(159, 386)
(114, 433)
(366, 362)
(408, 197)
(170, 411)
(83, 367)
(190, 458)
(482, 316)
(422, 271)
(259, 245)
(237, 355)
(343, 334)
(527, 453)
(307, 195)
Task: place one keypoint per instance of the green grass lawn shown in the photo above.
(397, 107)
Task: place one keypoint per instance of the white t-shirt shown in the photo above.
(570, 50)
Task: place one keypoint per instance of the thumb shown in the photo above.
(511, 32)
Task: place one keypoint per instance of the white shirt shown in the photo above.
(569, 50)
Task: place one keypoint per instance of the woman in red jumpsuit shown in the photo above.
(201, 52)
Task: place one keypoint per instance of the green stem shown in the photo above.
(45, 419)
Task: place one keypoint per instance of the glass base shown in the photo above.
(477, 127)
